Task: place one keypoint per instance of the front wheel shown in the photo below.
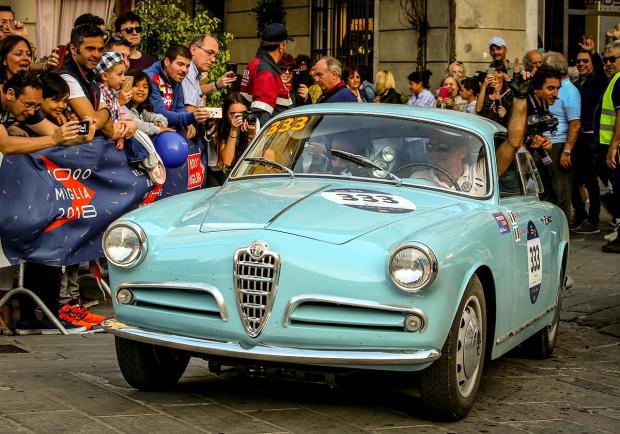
(149, 367)
(449, 386)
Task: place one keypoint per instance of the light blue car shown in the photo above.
(370, 236)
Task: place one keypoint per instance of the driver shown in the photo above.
(451, 165)
(322, 161)
(340, 166)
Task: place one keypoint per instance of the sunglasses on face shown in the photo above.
(286, 69)
(130, 30)
(610, 59)
(584, 61)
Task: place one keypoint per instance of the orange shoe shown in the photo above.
(67, 314)
(87, 315)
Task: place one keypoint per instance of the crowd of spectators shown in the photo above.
(128, 96)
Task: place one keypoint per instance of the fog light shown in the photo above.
(413, 323)
(124, 296)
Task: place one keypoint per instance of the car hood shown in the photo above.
(326, 210)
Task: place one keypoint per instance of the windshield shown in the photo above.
(419, 153)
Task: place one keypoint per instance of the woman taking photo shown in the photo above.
(385, 87)
(418, 85)
(233, 133)
(354, 81)
(448, 94)
(495, 98)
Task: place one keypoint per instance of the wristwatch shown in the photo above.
(566, 151)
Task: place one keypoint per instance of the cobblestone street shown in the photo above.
(72, 384)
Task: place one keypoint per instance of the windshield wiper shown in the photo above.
(363, 161)
(269, 163)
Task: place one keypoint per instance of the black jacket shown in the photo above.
(390, 96)
(591, 90)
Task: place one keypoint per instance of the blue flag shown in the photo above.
(56, 203)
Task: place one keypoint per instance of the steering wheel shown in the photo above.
(432, 166)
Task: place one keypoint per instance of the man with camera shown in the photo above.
(204, 50)
(262, 82)
(564, 104)
(20, 100)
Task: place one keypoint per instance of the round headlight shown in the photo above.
(413, 267)
(388, 154)
(124, 244)
(380, 173)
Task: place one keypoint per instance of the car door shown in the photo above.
(534, 264)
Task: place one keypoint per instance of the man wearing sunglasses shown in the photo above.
(129, 26)
(609, 137)
(591, 85)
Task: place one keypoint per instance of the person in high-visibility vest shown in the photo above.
(610, 136)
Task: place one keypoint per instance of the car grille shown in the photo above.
(256, 278)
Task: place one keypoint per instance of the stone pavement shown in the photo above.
(72, 384)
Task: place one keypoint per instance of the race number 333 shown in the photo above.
(534, 261)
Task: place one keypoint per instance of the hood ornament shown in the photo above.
(257, 249)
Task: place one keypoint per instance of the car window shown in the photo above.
(528, 173)
(421, 153)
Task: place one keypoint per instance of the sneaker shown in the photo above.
(612, 236)
(87, 315)
(611, 247)
(608, 203)
(45, 327)
(76, 318)
(576, 225)
(587, 228)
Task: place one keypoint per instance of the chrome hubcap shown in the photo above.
(469, 346)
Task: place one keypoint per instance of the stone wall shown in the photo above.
(397, 46)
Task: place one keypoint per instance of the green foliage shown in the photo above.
(267, 12)
(165, 23)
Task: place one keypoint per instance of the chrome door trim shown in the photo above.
(525, 325)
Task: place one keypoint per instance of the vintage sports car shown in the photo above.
(348, 235)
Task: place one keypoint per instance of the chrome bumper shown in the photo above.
(272, 354)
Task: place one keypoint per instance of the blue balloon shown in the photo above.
(172, 148)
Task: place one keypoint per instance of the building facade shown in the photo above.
(380, 33)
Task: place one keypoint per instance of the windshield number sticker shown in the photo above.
(368, 200)
(293, 124)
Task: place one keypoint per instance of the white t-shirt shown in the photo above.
(75, 90)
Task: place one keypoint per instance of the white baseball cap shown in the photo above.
(497, 41)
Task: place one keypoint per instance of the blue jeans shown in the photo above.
(135, 151)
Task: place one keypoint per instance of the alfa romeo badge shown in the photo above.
(257, 249)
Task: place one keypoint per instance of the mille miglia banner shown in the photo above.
(55, 204)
